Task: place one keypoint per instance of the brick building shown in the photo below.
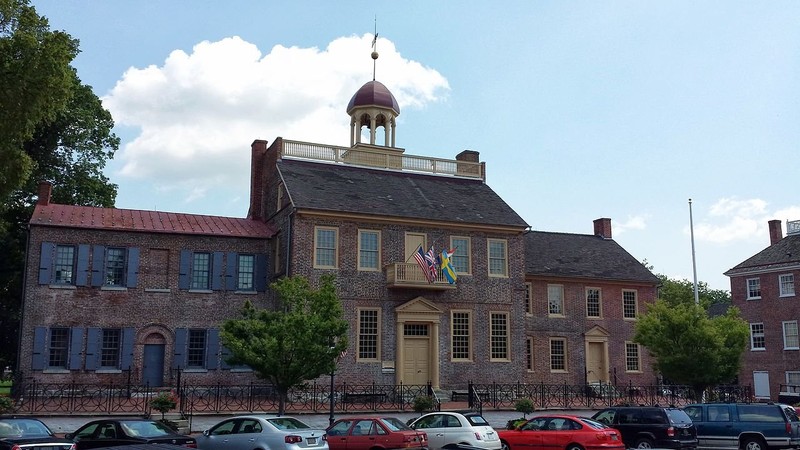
(119, 293)
(763, 288)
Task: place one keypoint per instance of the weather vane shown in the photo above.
(375, 49)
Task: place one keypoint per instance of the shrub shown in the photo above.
(6, 405)
(422, 403)
(513, 424)
(525, 406)
(164, 402)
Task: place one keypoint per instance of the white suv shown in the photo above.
(453, 428)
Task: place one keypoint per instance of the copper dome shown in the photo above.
(373, 93)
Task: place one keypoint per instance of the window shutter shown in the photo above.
(98, 265)
(93, 336)
(46, 263)
(128, 336)
(212, 349)
(183, 275)
(216, 272)
(133, 267)
(179, 354)
(82, 270)
(75, 347)
(39, 339)
(261, 272)
(224, 355)
(231, 275)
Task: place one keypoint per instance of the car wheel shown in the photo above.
(504, 445)
(574, 447)
(753, 444)
(644, 443)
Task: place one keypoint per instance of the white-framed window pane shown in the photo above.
(368, 254)
(629, 304)
(110, 348)
(115, 267)
(790, 338)
(460, 258)
(529, 353)
(528, 298)
(325, 247)
(499, 335)
(368, 334)
(64, 264)
(498, 263)
(592, 302)
(631, 357)
(247, 272)
(461, 335)
(59, 347)
(753, 288)
(757, 336)
(558, 354)
(196, 349)
(793, 380)
(786, 285)
(201, 270)
(555, 299)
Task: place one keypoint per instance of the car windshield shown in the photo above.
(678, 416)
(475, 419)
(287, 423)
(593, 423)
(144, 428)
(394, 424)
(23, 428)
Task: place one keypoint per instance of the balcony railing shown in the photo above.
(409, 275)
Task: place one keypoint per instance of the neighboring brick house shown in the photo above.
(763, 288)
(584, 294)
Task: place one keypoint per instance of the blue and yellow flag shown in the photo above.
(447, 268)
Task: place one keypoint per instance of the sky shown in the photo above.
(580, 109)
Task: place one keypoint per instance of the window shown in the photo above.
(629, 307)
(529, 353)
(276, 255)
(528, 298)
(110, 348)
(558, 355)
(201, 271)
(593, 303)
(368, 326)
(793, 380)
(279, 200)
(753, 288)
(498, 258)
(786, 283)
(115, 267)
(59, 348)
(462, 339)
(325, 248)
(460, 259)
(64, 264)
(499, 335)
(632, 357)
(555, 299)
(757, 336)
(246, 272)
(790, 338)
(196, 349)
(369, 256)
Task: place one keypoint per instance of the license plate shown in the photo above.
(311, 441)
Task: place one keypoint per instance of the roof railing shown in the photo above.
(792, 227)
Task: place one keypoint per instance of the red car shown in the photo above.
(561, 432)
(372, 433)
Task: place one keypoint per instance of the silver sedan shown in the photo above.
(261, 432)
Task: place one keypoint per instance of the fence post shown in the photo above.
(470, 400)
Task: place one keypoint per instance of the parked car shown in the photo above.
(567, 432)
(747, 426)
(374, 433)
(30, 434)
(651, 426)
(263, 432)
(454, 428)
(115, 432)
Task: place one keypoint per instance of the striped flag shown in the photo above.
(447, 269)
(430, 259)
(421, 257)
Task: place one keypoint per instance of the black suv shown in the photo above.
(651, 426)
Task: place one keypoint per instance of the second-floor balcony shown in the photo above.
(410, 275)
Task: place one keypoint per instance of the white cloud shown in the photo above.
(198, 113)
(733, 220)
(632, 223)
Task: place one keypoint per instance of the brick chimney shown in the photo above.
(471, 156)
(258, 150)
(468, 155)
(602, 228)
(45, 191)
(775, 231)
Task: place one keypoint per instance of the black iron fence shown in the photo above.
(49, 398)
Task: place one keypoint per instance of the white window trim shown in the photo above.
(635, 304)
(599, 299)
(508, 336)
(335, 247)
(470, 335)
(753, 348)
(369, 269)
(797, 337)
(528, 299)
(489, 242)
(747, 287)
(468, 252)
(562, 313)
(529, 350)
(780, 285)
(377, 337)
(638, 357)
(550, 356)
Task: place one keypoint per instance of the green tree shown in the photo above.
(70, 151)
(35, 84)
(677, 292)
(298, 341)
(691, 348)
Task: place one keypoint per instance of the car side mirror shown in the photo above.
(206, 432)
(69, 436)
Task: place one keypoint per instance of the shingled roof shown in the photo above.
(56, 215)
(349, 189)
(782, 254)
(582, 256)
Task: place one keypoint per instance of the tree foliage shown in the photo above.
(35, 84)
(691, 348)
(676, 292)
(298, 341)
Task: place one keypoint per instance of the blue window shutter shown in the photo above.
(46, 263)
(98, 265)
(184, 275)
(93, 337)
(75, 347)
(216, 271)
(128, 336)
(179, 355)
(133, 267)
(212, 349)
(231, 275)
(39, 339)
(82, 270)
(261, 272)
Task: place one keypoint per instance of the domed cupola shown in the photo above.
(373, 106)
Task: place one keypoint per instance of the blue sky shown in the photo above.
(580, 109)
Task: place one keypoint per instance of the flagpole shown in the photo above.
(694, 262)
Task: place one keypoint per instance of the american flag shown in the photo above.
(422, 260)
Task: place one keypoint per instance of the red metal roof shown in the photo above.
(147, 221)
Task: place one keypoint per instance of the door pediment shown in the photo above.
(418, 310)
(597, 332)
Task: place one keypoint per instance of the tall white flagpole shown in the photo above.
(694, 263)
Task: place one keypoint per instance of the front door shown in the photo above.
(416, 353)
(153, 365)
(595, 362)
